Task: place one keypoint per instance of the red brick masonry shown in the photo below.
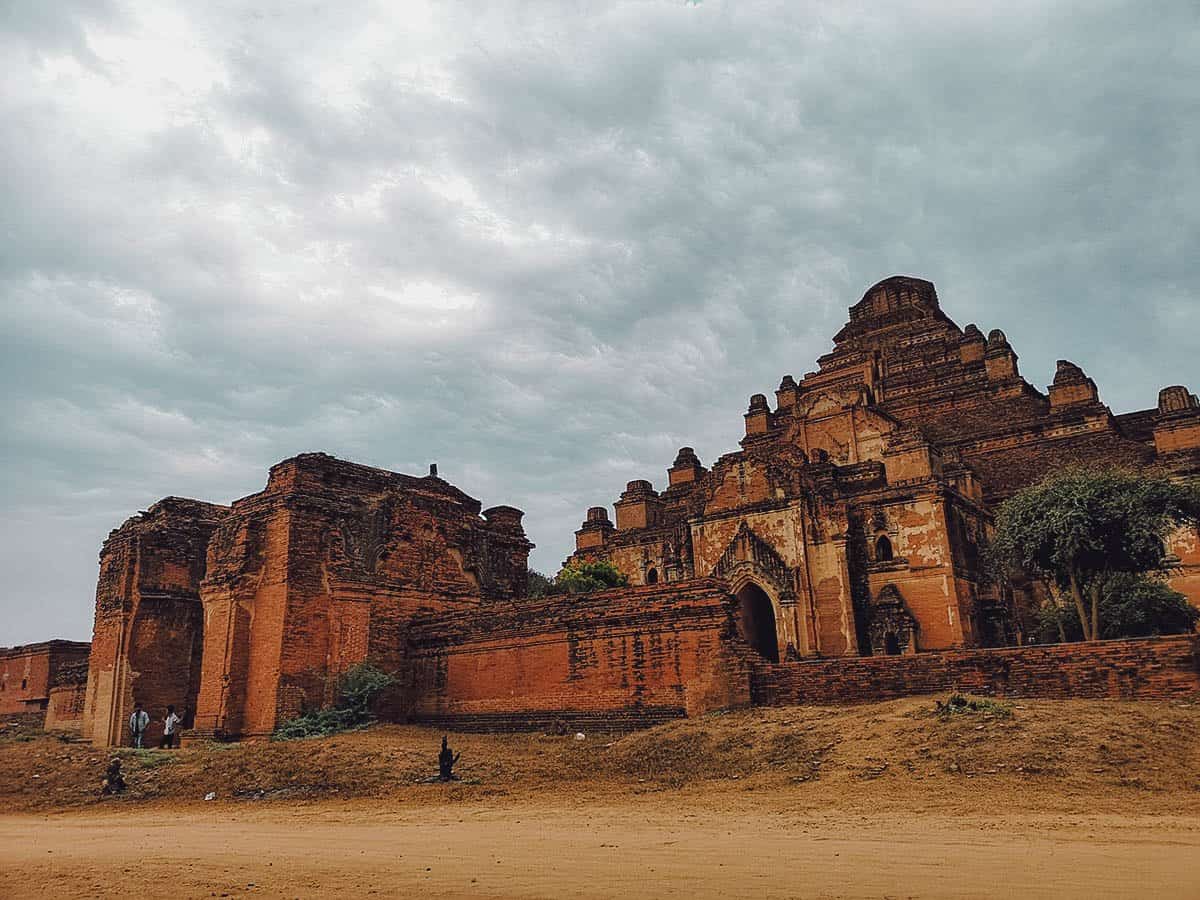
(634, 657)
(1143, 669)
(624, 658)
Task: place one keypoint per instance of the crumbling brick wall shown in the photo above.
(68, 693)
(325, 568)
(27, 674)
(1139, 669)
(148, 632)
(611, 660)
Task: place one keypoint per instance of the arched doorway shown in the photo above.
(891, 644)
(652, 576)
(756, 619)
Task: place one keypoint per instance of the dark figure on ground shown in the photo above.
(114, 781)
(446, 760)
(171, 725)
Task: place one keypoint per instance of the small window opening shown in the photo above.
(24, 681)
(883, 549)
(652, 576)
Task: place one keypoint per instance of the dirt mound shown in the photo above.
(1033, 754)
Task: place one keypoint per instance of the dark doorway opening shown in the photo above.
(756, 617)
(883, 549)
(891, 644)
(652, 576)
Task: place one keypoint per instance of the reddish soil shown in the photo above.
(1059, 799)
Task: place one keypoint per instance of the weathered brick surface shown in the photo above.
(149, 623)
(850, 521)
(911, 431)
(610, 660)
(68, 694)
(1143, 669)
(243, 616)
(27, 674)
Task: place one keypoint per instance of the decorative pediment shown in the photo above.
(893, 627)
(748, 550)
(829, 401)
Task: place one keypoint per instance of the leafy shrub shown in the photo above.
(358, 689)
(961, 704)
(580, 578)
(588, 577)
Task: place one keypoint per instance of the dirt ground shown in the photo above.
(1066, 799)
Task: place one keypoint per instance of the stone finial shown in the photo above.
(785, 396)
(1066, 372)
(758, 418)
(596, 529)
(597, 514)
(685, 469)
(508, 517)
(686, 457)
(1071, 386)
(638, 487)
(1176, 398)
(999, 358)
(638, 507)
(895, 293)
(971, 345)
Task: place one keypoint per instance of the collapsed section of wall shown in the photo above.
(1141, 669)
(68, 693)
(614, 660)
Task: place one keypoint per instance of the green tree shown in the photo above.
(587, 577)
(1080, 527)
(540, 585)
(1130, 606)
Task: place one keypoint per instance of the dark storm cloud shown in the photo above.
(544, 244)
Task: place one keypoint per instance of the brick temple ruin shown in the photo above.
(835, 556)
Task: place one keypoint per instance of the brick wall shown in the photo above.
(607, 661)
(1147, 668)
(65, 712)
(27, 673)
(323, 569)
(148, 629)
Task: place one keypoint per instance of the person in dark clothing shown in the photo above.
(446, 760)
(114, 781)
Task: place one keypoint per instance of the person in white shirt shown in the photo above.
(137, 724)
(171, 725)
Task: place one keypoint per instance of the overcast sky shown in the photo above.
(542, 244)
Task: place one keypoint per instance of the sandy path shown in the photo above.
(630, 850)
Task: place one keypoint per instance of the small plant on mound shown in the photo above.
(961, 704)
(149, 759)
(358, 688)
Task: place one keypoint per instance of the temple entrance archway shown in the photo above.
(756, 621)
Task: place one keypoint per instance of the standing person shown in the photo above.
(137, 724)
(171, 725)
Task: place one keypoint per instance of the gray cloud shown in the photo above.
(544, 244)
